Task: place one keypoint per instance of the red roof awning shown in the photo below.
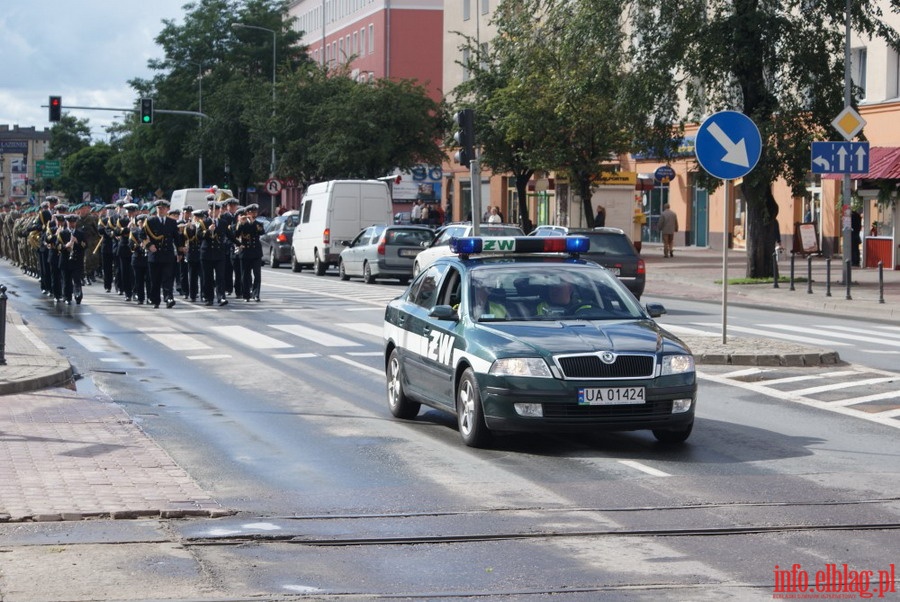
(884, 164)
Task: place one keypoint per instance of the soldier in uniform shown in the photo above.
(123, 249)
(40, 225)
(136, 239)
(52, 243)
(163, 239)
(213, 258)
(227, 220)
(190, 280)
(107, 245)
(71, 242)
(247, 234)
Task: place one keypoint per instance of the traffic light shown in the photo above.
(55, 108)
(465, 136)
(147, 110)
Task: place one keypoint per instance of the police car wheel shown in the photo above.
(368, 278)
(469, 413)
(341, 272)
(400, 405)
(673, 436)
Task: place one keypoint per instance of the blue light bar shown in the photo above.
(472, 245)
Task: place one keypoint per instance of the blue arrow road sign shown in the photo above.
(840, 157)
(728, 145)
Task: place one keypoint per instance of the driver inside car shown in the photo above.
(560, 299)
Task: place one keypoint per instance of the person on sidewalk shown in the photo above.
(600, 218)
(668, 226)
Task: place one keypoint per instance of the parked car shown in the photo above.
(440, 246)
(276, 241)
(384, 251)
(611, 248)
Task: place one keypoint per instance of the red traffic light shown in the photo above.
(55, 108)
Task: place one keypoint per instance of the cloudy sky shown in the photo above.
(82, 50)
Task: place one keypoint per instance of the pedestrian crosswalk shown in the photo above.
(883, 338)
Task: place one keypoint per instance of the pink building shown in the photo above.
(397, 39)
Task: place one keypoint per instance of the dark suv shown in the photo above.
(611, 248)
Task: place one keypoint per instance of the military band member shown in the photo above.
(123, 249)
(191, 279)
(71, 243)
(163, 239)
(213, 258)
(40, 225)
(51, 241)
(107, 245)
(247, 234)
(137, 239)
(227, 220)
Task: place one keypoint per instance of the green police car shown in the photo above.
(519, 334)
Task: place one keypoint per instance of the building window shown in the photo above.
(485, 6)
(892, 84)
(371, 38)
(362, 41)
(465, 64)
(355, 43)
(467, 10)
(858, 59)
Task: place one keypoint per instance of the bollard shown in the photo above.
(775, 268)
(881, 282)
(792, 270)
(2, 325)
(828, 277)
(847, 279)
(809, 275)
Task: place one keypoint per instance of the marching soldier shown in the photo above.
(163, 239)
(227, 220)
(247, 234)
(136, 239)
(52, 243)
(107, 245)
(191, 279)
(123, 249)
(71, 242)
(213, 258)
(40, 226)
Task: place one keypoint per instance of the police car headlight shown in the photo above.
(677, 364)
(520, 366)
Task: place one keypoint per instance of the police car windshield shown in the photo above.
(535, 292)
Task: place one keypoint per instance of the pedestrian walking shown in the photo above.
(668, 226)
(600, 217)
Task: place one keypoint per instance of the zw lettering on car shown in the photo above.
(500, 244)
(440, 347)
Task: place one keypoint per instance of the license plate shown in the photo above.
(409, 252)
(609, 396)
(615, 271)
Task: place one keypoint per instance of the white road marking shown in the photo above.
(350, 362)
(95, 343)
(839, 335)
(744, 372)
(844, 385)
(249, 337)
(794, 379)
(294, 356)
(220, 356)
(316, 336)
(687, 330)
(856, 330)
(770, 334)
(33, 338)
(177, 341)
(365, 353)
(644, 468)
(376, 330)
(867, 398)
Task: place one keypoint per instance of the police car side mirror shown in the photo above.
(443, 312)
(655, 309)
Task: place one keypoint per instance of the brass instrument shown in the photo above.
(34, 239)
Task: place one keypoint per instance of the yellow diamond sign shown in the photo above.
(848, 123)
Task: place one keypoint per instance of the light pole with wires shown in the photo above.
(274, 34)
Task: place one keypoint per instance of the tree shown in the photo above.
(87, 170)
(780, 62)
(552, 92)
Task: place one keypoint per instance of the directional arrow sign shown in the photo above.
(840, 157)
(728, 145)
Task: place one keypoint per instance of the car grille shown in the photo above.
(624, 366)
(611, 413)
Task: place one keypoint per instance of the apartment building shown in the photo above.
(20, 149)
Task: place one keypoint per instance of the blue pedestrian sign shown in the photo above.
(728, 145)
(840, 157)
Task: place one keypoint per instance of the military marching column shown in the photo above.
(147, 254)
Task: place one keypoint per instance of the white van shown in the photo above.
(335, 211)
(195, 197)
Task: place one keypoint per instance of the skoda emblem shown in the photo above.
(607, 357)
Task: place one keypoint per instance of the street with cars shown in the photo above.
(280, 413)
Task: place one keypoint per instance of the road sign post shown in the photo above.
(728, 146)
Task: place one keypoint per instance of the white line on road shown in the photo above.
(376, 330)
(357, 365)
(857, 400)
(365, 353)
(844, 385)
(856, 330)
(779, 335)
(840, 335)
(177, 341)
(795, 379)
(249, 337)
(316, 336)
(220, 356)
(744, 372)
(644, 468)
(95, 343)
(294, 356)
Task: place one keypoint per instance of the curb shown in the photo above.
(25, 372)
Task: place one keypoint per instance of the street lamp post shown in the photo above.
(274, 34)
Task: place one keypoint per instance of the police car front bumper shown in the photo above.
(510, 406)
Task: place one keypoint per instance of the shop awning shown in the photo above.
(884, 164)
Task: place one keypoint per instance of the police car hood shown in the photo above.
(581, 336)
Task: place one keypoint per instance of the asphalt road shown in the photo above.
(278, 411)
